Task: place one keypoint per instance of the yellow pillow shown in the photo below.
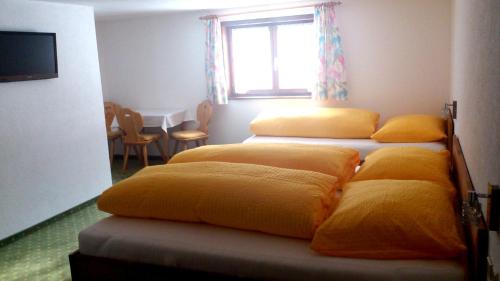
(245, 196)
(341, 123)
(336, 161)
(412, 128)
(407, 163)
(391, 219)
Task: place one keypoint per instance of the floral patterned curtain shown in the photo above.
(331, 75)
(214, 62)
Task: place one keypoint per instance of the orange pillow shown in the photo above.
(336, 161)
(317, 122)
(244, 196)
(407, 163)
(412, 128)
(391, 219)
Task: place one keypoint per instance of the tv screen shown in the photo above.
(27, 56)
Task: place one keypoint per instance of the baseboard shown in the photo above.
(46, 222)
(134, 157)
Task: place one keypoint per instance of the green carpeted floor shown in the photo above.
(43, 253)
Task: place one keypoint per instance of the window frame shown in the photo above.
(272, 23)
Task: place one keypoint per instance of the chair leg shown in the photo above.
(185, 145)
(109, 149)
(125, 157)
(112, 151)
(198, 143)
(141, 156)
(163, 155)
(145, 154)
(138, 152)
(176, 147)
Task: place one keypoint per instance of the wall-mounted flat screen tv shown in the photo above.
(27, 56)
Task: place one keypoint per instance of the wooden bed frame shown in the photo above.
(476, 233)
(84, 267)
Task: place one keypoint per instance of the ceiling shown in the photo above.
(122, 8)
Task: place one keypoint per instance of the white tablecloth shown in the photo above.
(163, 118)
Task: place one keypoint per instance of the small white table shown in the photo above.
(164, 118)
(161, 117)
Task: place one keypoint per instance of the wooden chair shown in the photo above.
(131, 123)
(113, 135)
(138, 120)
(203, 114)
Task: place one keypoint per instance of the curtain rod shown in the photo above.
(267, 10)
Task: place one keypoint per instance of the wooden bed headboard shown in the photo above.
(475, 230)
(450, 129)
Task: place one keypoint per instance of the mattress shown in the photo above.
(244, 253)
(364, 146)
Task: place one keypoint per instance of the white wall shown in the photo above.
(397, 53)
(476, 87)
(53, 152)
(153, 62)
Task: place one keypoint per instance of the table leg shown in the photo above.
(164, 137)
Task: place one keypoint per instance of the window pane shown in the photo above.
(252, 66)
(296, 55)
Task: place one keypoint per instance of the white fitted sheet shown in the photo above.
(364, 146)
(244, 253)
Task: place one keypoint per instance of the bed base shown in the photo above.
(90, 268)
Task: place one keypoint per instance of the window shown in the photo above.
(270, 57)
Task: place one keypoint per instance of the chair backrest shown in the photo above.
(131, 123)
(204, 114)
(118, 110)
(109, 113)
(139, 121)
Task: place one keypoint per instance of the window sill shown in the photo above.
(283, 96)
(268, 97)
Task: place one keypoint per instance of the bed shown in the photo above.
(250, 254)
(364, 146)
(348, 127)
(119, 248)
